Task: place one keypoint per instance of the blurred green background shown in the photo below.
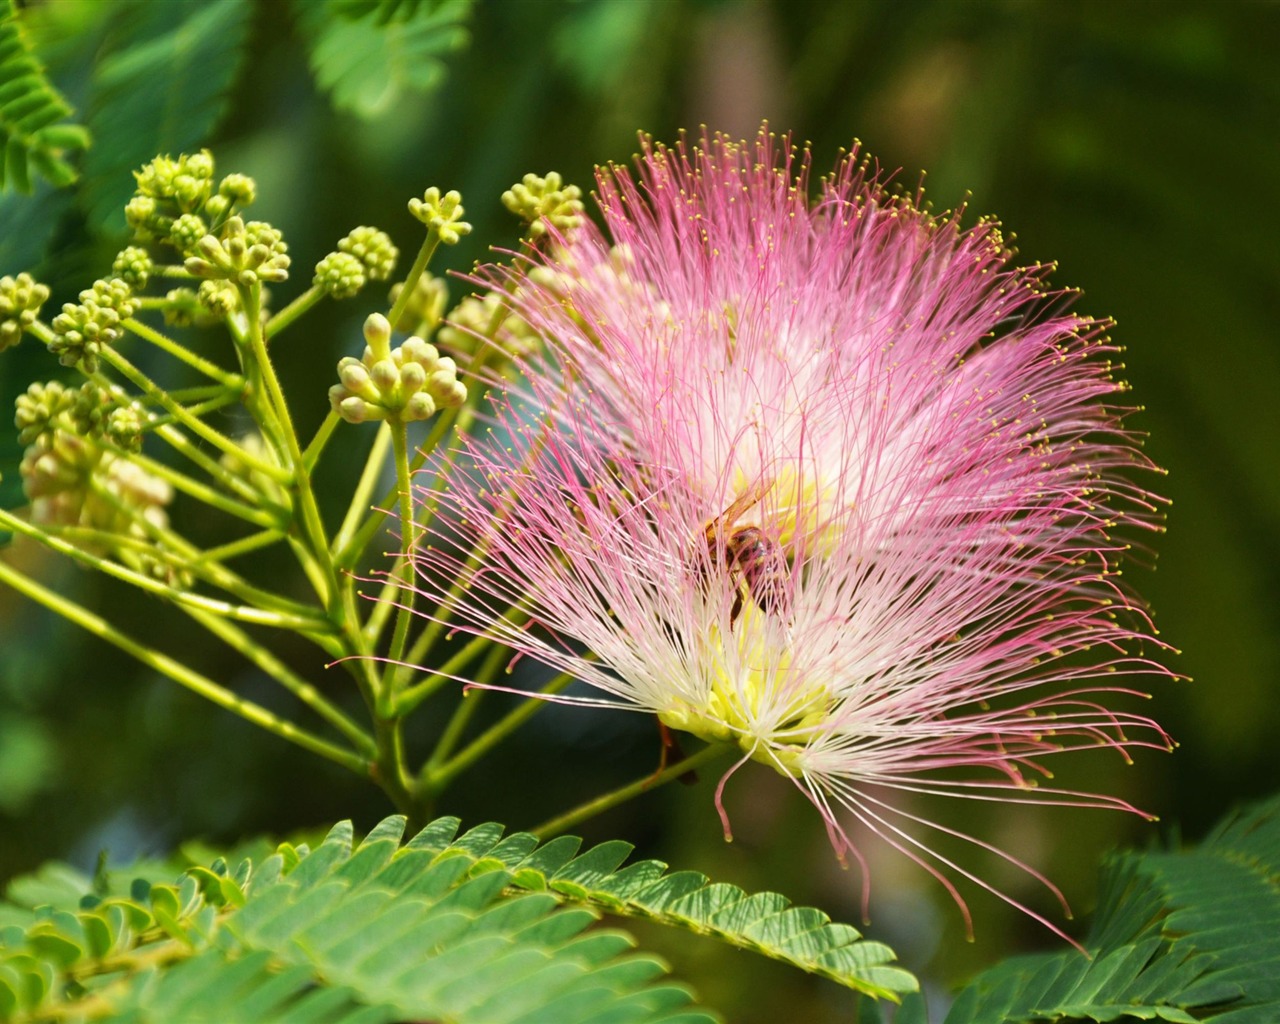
(1134, 143)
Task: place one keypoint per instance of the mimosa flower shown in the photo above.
(828, 479)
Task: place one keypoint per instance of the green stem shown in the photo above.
(409, 699)
(238, 548)
(438, 777)
(258, 616)
(181, 674)
(196, 425)
(622, 794)
(408, 538)
(239, 640)
(181, 444)
(232, 381)
(316, 448)
(295, 309)
(209, 495)
(250, 298)
(364, 490)
(410, 285)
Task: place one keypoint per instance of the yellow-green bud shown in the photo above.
(540, 202)
(20, 300)
(220, 298)
(374, 249)
(239, 188)
(186, 231)
(426, 304)
(246, 253)
(441, 214)
(81, 331)
(133, 265)
(408, 383)
(340, 275)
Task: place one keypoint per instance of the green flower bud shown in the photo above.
(426, 304)
(143, 216)
(219, 298)
(20, 300)
(38, 410)
(340, 275)
(186, 231)
(246, 253)
(540, 202)
(441, 214)
(377, 333)
(239, 188)
(133, 265)
(181, 307)
(217, 207)
(255, 447)
(407, 383)
(186, 181)
(374, 249)
(81, 331)
(488, 317)
(124, 427)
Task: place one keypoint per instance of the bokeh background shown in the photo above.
(1135, 143)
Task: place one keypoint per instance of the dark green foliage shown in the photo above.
(32, 138)
(367, 53)
(380, 932)
(1189, 936)
(161, 87)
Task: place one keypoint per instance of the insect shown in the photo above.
(756, 564)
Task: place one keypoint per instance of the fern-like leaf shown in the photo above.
(367, 53)
(764, 923)
(160, 88)
(33, 138)
(375, 933)
(1182, 937)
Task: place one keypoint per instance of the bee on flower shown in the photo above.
(817, 473)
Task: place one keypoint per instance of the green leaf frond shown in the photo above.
(161, 86)
(367, 53)
(372, 933)
(1180, 936)
(461, 928)
(33, 139)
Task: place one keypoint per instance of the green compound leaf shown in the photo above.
(367, 53)
(355, 934)
(160, 88)
(32, 138)
(1181, 937)
(764, 923)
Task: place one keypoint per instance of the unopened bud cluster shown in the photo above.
(254, 447)
(441, 214)
(83, 329)
(545, 201)
(244, 254)
(76, 469)
(408, 383)
(177, 204)
(20, 300)
(488, 318)
(425, 307)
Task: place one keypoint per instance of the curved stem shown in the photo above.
(404, 571)
(250, 298)
(181, 674)
(622, 794)
(433, 779)
(231, 381)
(295, 309)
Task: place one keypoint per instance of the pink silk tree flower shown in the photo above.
(824, 477)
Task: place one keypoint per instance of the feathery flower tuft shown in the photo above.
(830, 479)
